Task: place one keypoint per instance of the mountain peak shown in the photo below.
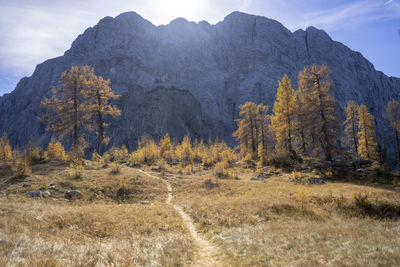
(132, 18)
(224, 65)
(129, 16)
(179, 20)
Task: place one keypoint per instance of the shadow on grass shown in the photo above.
(295, 211)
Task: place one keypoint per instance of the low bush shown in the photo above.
(210, 182)
(116, 169)
(20, 165)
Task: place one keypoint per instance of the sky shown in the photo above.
(32, 31)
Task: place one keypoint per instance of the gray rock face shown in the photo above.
(216, 68)
(161, 110)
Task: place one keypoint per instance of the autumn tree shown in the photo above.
(351, 126)
(184, 150)
(300, 124)
(392, 116)
(366, 134)
(5, 148)
(252, 132)
(67, 110)
(320, 106)
(282, 121)
(165, 146)
(99, 95)
(262, 121)
(32, 152)
(55, 150)
(246, 132)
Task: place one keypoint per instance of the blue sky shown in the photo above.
(32, 31)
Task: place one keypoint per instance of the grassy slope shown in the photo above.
(106, 227)
(277, 222)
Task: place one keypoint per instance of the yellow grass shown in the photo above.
(95, 183)
(278, 222)
(44, 234)
(96, 230)
(275, 222)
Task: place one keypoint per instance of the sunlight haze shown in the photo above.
(34, 31)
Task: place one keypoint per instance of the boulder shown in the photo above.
(35, 194)
(316, 181)
(259, 177)
(72, 194)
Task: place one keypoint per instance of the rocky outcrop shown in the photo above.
(157, 112)
(216, 68)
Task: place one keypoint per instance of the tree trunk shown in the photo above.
(253, 143)
(398, 145)
(327, 145)
(366, 140)
(100, 128)
(354, 135)
(75, 118)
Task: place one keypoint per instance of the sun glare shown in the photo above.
(171, 9)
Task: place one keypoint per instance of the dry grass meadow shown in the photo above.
(107, 227)
(275, 222)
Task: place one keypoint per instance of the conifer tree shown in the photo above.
(282, 121)
(246, 132)
(263, 120)
(67, 109)
(5, 148)
(366, 135)
(98, 94)
(392, 116)
(300, 124)
(315, 87)
(55, 150)
(165, 146)
(351, 126)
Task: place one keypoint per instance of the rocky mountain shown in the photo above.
(188, 77)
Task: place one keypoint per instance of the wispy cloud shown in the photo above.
(350, 16)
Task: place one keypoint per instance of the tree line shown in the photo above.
(305, 123)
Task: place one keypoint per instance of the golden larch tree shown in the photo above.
(55, 150)
(99, 95)
(366, 135)
(300, 124)
(165, 145)
(67, 109)
(282, 120)
(5, 148)
(246, 133)
(392, 116)
(351, 127)
(320, 106)
(263, 119)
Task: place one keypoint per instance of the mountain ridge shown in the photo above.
(223, 65)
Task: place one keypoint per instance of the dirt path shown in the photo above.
(208, 254)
